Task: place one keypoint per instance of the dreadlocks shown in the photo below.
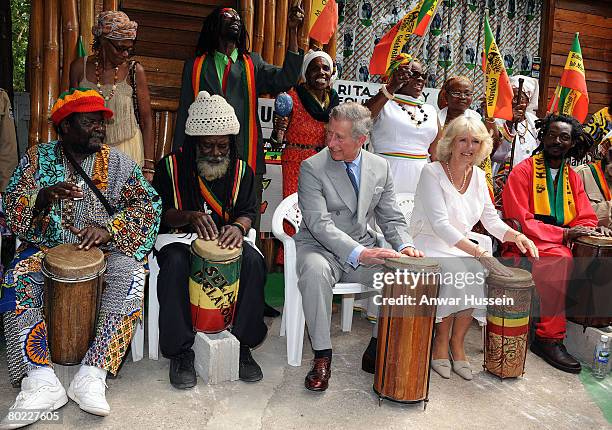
(209, 35)
(582, 141)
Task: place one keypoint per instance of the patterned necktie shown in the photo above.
(352, 178)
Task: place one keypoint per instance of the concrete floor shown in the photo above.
(142, 398)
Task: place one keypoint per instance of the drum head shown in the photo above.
(209, 250)
(69, 262)
(413, 264)
(599, 241)
(520, 279)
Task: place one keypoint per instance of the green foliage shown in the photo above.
(20, 13)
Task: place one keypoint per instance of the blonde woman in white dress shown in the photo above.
(451, 197)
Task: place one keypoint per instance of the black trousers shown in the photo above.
(176, 334)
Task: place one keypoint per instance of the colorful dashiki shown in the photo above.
(134, 228)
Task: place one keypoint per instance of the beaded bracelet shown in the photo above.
(386, 92)
(240, 227)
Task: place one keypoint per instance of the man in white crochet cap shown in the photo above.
(206, 189)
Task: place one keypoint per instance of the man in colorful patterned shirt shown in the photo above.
(47, 204)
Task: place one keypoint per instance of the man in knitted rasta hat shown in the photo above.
(75, 190)
(206, 189)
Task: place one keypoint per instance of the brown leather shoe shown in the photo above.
(554, 353)
(318, 377)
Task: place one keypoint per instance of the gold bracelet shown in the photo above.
(148, 159)
(240, 227)
(386, 92)
(147, 170)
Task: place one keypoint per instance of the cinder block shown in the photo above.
(216, 357)
(582, 344)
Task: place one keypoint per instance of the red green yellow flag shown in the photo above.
(571, 97)
(498, 91)
(392, 43)
(323, 20)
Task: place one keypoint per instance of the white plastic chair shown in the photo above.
(292, 323)
(163, 240)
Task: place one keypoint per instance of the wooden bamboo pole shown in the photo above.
(247, 13)
(86, 21)
(304, 40)
(35, 63)
(50, 78)
(260, 23)
(268, 45)
(110, 4)
(70, 38)
(282, 11)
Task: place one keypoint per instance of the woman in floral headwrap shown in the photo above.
(405, 128)
(123, 85)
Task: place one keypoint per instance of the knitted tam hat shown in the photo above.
(78, 100)
(211, 116)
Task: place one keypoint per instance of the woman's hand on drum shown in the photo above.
(493, 266)
(203, 225)
(526, 245)
(370, 256)
(411, 251)
(231, 237)
(91, 236)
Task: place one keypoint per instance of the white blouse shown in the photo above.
(523, 149)
(441, 211)
(394, 130)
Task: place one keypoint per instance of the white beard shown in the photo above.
(211, 171)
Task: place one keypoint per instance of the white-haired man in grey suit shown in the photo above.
(339, 190)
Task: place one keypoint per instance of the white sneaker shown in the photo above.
(36, 397)
(89, 392)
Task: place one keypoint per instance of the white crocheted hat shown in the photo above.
(211, 116)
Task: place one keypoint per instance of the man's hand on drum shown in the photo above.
(203, 225)
(59, 191)
(604, 231)
(371, 256)
(579, 231)
(91, 236)
(411, 251)
(231, 237)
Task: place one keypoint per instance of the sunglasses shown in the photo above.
(413, 74)
(121, 49)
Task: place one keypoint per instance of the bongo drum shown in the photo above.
(213, 285)
(507, 330)
(405, 330)
(589, 298)
(73, 292)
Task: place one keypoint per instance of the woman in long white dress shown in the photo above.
(451, 197)
(405, 127)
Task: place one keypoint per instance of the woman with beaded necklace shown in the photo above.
(405, 127)
(109, 72)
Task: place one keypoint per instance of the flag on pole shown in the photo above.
(81, 51)
(323, 20)
(498, 91)
(392, 43)
(571, 97)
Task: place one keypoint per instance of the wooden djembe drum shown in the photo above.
(405, 333)
(508, 324)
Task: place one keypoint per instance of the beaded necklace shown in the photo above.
(99, 85)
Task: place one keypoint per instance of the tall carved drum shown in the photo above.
(405, 330)
(589, 294)
(508, 323)
(73, 290)
(213, 285)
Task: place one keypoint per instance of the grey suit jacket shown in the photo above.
(332, 216)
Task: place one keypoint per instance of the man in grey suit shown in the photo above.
(339, 190)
